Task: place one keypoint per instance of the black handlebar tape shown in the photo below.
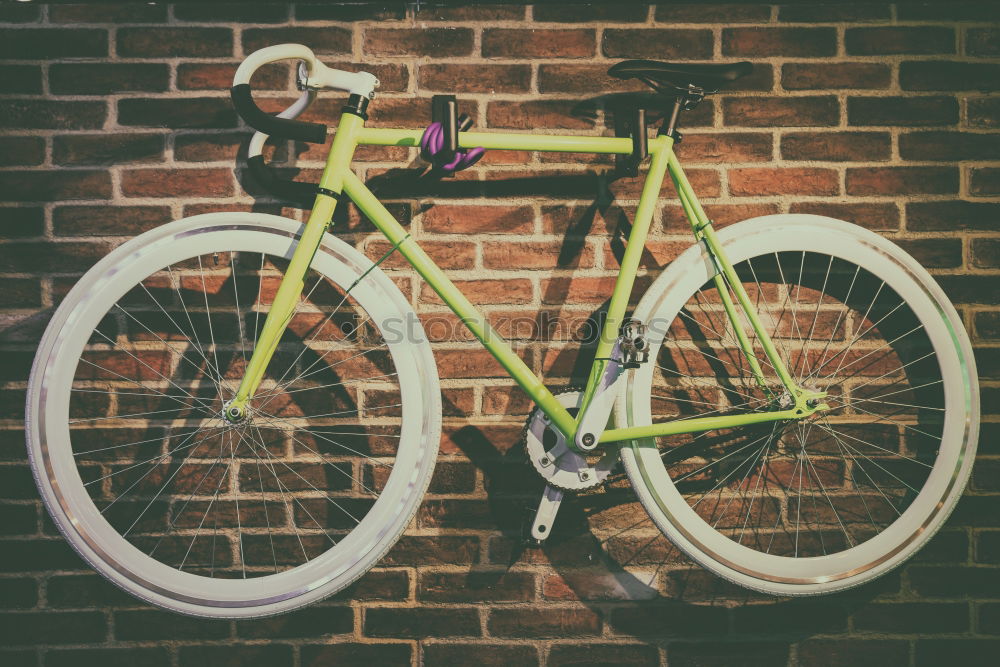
(283, 128)
(288, 190)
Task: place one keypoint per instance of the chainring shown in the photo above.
(554, 461)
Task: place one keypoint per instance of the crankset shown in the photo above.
(562, 468)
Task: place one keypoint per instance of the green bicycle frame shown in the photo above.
(339, 179)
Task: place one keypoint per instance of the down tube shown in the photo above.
(468, 313)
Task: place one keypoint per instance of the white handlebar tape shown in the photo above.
(320, 76)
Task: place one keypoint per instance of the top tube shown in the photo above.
(505, 141)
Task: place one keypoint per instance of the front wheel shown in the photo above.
(825, 503)
(165, 497)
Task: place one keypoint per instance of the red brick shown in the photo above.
(232, 654)
(674, 220)
(759, 653)
(951, 215)
(421, 622)
(478, 219)
(547, 622)
(468, 363)
(545, 255)
(19, 13)
(487, 655)
(976, 10)
(984, 112)
(906, 111)
(51, 114)
(219, 76)
(764, 181)
(949, 146)
(854, 651)
(21, 222)
(21, 78)
(210, 147)
(53, 185)
(174, 42)
(554, 78)
(243, 12)
(725, 147)
(475, 78)
(934, 253)
(586, 12)
(189, 112)
(899, 40)
(819, 76)
(346, 12)
(310, 622)
(475, 12)
(781, 112)
(829, 13)
(879, 217)
(21, 151)
(949, 75)
(328, 39)
(982, 42)
(107, 13)
(836, 146)
(107, 220)
(52, 43)
(106, 78)
(177, 182)
(901, 180)
(432, 550)
(538, 43)
(477, 586)
(350, 654)
(579, 289)
(713, 13)
(658, 43)
(93, 149)
(786, 42)
(149, 624)
(33, 627)
(984, 182)
(436, 42)
(616, 654)
(553, 114)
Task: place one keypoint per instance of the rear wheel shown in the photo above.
(175, 504)
(824, 503)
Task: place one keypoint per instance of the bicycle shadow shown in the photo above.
(631, 576)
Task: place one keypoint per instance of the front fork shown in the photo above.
(290, 291)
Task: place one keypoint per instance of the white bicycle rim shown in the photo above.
(779, 575)
(149, 579)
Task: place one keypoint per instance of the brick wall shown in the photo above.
(116, 119)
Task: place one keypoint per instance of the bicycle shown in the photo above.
(225, 419)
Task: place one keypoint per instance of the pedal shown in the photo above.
(548, 507)
(633, 345)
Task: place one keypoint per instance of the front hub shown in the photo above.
(233, 413)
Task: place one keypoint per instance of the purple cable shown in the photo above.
(432, 144)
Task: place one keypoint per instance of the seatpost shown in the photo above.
(674, 115)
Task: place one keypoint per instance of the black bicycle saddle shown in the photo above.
(683, 77)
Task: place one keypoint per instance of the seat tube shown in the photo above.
(290, 290)
(661, 150)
